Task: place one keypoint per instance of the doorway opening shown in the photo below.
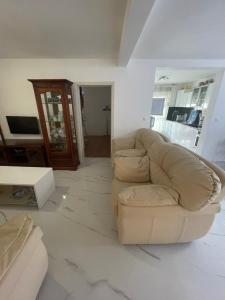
(96, 119)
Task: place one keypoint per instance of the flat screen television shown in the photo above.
(23, 125)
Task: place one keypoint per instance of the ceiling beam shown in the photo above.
(137, 13)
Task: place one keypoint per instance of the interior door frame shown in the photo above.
(79, 128)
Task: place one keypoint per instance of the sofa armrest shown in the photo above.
(13, 235)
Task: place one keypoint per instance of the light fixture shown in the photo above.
(164, 77)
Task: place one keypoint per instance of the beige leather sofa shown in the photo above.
(162, 193)
(23, 259)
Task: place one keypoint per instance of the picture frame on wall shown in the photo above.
(157, 106)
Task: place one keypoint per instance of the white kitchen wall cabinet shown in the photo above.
(183, 98)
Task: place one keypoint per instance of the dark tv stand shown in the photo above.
(27, 153)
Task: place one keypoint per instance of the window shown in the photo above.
(157, 106)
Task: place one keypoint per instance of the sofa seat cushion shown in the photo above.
(13, 235)
(130, 153)
(117, 187)
(132, 169)
(149, 195)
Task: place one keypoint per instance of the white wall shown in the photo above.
(212, 143)
(132, 88)
(95, 99)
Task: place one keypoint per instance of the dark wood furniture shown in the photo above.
(28, 153)
(2, 138)
(56, 114)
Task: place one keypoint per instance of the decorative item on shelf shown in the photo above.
(58, 134)
(187, 88)
(207, 82)
(19, 192)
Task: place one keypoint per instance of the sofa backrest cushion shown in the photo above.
(123, 143)
(176, 167)
(220, 173)
(130, 153)
(132, 169)
(146, 137)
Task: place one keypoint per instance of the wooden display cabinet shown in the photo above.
(56, 113)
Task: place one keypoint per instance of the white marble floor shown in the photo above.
(86, 262)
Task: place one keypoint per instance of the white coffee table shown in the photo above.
(36, 183)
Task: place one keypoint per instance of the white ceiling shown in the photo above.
(182, 75)
(161, 29)
(178, 29)
(61, 28)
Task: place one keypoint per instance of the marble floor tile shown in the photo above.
(51, 289)
(86, 261)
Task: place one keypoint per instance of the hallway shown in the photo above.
(97, 146)
(96, 120)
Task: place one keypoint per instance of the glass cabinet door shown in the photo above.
(52, 104)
